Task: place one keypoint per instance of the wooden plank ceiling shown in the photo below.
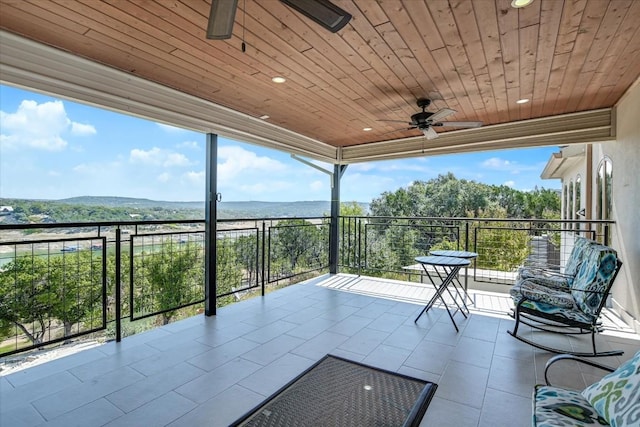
(476, 57)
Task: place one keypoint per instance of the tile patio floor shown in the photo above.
(210, 371)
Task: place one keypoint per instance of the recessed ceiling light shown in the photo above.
(264, 117)
(522, 101)
(278, 79)
(367, 129)
(521, 3)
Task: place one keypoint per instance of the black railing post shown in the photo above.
(334, 236)
(263, 265)
(118, 285)
(210, 227)
(606, 234)
(360, 246)
(466, 236)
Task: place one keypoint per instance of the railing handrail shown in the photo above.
(438, 218)
(98, 224)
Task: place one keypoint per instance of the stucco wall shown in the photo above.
(625, 156)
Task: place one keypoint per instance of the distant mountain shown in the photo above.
(273, 209)
(226, 210)
(121, 202)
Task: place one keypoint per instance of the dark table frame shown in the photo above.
(471, 256)
(450, 266)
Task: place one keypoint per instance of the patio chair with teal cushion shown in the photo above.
(552, 277)
(568, 310)
(612, 401)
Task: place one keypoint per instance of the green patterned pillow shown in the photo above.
(616, 397)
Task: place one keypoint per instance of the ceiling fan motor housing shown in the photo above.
(421, 118)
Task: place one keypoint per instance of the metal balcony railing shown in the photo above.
(387, 246)
(62, 281)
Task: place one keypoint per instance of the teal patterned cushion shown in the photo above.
(532, 290)
(545, 279)
(616, 397)
(577, 255)
(558, 407)
(594, 276)
(554, 279)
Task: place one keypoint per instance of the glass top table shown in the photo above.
(456, 254)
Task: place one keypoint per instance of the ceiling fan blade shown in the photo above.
(398, 130)
(221, 19)
(429, 133)
(460, 124)
(394, 121)
(441, 114)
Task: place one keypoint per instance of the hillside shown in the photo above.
(89, 208)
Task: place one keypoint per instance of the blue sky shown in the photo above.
(53, 149)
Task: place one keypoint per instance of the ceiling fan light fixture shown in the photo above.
(520, 3)
(323, 12)
(221, 19)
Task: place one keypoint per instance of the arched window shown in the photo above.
(604, 191)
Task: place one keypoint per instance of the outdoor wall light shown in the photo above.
(581, 212)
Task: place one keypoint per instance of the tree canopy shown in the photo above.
(448, 196)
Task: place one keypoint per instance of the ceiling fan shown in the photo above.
(426, 121)
(323, 12)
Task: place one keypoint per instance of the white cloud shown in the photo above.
(82, 168)
(82, 129)
(39, 126)
(512, 167)
(236, 161)
(510, 183)
(195, 177)
(164, 177)
(158, 157)
(362, 167)
(497, 163)
(192, 145)
(35, 125)
(169, 128)
(316, 185)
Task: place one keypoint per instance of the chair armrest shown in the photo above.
(576, 359)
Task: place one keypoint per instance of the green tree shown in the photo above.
(247, 256)
(229, 272)
(76, 288)
(25, 296)
(175, 275)
(294, 241)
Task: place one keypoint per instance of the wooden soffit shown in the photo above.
(35, 66)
